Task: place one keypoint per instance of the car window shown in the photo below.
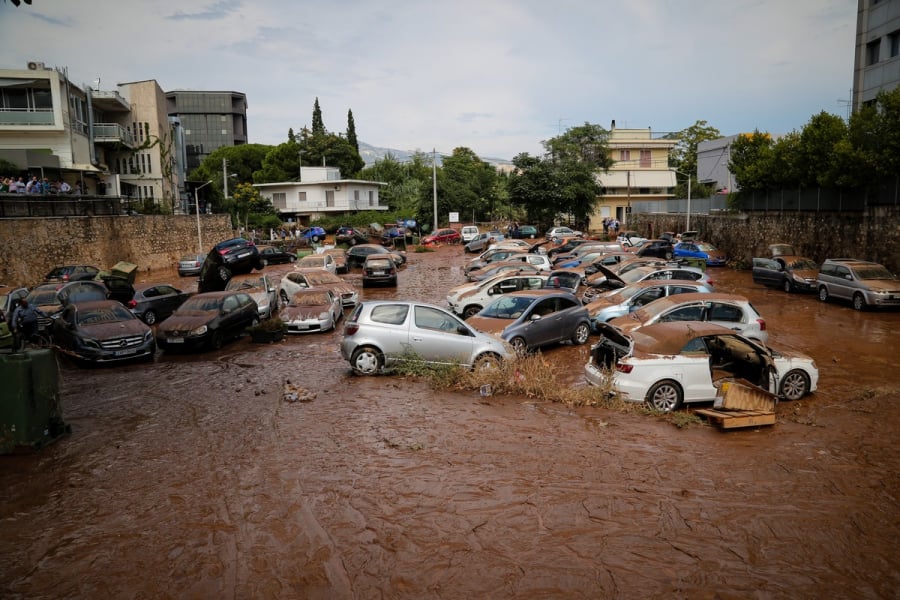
(685, 313)
(647, 296)
(230, 304)
(166, 289)
(842, 271)
(545, 307)
(725, 312)
(429, 318)
(297, 278)
(392, 314)
(531, 283)
(683, 275)
(681, 289)
(695, 346)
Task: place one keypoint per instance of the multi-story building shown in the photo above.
(99, 142)
(209, 120)
(640, 171)
(320, 192)
(713, 157)
(876, 63)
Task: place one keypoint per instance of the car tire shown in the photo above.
(292, 259)
(352, 241)
(315, 239)
(668, 256)
(581, 335)
(264, 263)
(471, 310)
(794, 385)
(284, 297)
(665, 396)
(823, 293)
(216, 339)
(150, 317)
(788, 286)
(859, 303)
(367, 360)
(519, 345)
(223, 272)
(486, 362)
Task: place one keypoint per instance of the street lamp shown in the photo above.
(197, 208)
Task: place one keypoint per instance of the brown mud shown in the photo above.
(191, 477)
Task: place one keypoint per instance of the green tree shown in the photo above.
(318, 126)
(408, 183)
(683, 157)
(467, 185)
(751, 161)
(281, 163)
(351, 132)
(246, 200)
(242, 161)
(815, 150)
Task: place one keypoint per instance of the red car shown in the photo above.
(442, 236)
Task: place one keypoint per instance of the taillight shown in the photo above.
(710, 282)
(132, 303)
(65, 277)
(624, 367)
(351, 328)
(762, 324)
(223, 251)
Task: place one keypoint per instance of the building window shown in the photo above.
(872, 51)
(279, 200)
(329, 198)
(624, 155)
(371, 198)
(894, 43)
(301, 196)
(645, 159)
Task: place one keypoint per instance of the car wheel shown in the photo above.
(582, 333)
(859, 303)
(519, 345)
(794, 385)
(315, 239)
(284, 297)
(668, 256)
(665, 396)
(263, 263)
(788, 287)
(352, 242)
(471, 310)
(216, 339)
(224, 273)
(823, 294)
(367, 360)
(486, 362)
(149, 317)
(292, 258)
(254, 322)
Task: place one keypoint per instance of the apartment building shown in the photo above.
(208, 121)
(876, 63)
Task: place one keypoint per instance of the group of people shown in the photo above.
(23, 323)
(12, 185)
(611, 227)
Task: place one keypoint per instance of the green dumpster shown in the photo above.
(30, 414)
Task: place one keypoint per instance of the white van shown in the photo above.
(469, 233)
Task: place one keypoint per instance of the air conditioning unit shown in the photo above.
(35, 66)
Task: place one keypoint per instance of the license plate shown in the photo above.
(243, 254)
(302, 326)
(175, 340)
(125, 352)
(377, 272)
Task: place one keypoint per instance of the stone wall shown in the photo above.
(32, 247)
(870, 235)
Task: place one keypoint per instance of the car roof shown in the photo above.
(95, 304)
(541, 293)
(677, 299)
(221, 294)
(671, 337)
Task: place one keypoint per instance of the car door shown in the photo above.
(727, 315)
(842, 286)
(692, 369)
(166, 299)
(232, 320)
(64, 327)
(437, 336)
(690, 312)
(548, 328)
(767, 272)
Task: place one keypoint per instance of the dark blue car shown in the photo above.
(312, 234)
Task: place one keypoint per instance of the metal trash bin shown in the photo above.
(30, 413)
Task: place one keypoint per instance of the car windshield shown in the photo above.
(706, 247)
(312, 298)
(110, 314)
(507, 307)
(322, 278)
(873, 272)
(199, 304)
(804, 264)
(311, 261)
(43, 298)
(243, 284)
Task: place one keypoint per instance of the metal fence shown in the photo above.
(885, 193)
(698, 206)
(20, 206)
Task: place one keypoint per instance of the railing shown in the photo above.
(112, 132)
(23, 206)
(26, 117)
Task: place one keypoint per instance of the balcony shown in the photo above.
(112, 133)
(26, 118)
(109, 101)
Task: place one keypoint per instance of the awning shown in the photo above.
(637, 179)
(84, 167)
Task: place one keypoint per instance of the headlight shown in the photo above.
(323, 315)
(198, 331)
(89, 343)
(148, 336)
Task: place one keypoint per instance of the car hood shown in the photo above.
(302, 313)
(489, 324)
(105, 331)
(187, 321)
(596, 305)
(882, 285)
(604, 275)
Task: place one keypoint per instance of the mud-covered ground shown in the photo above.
(192, 478)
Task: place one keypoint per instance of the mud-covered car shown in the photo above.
(865, 284)
(318, 261)
(703, 250)
(274, 255)
(155, 301)
(381, 334)
(262, 287)
(102, 331)
(534, 318)
(312, 310)
(622, 301)
(340, 259)
(468, 299)
(300, 279)
(442, 236)
(67, 273)
(190, 264)
(236, 256)
(669, 364)
(356, 255)
(790, 273)
(379, 270)
(351, 236)
(606, 279)
(208, 320)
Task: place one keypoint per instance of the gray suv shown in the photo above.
(864, 283)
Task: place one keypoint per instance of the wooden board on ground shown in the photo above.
(734, 419)
(743, 395)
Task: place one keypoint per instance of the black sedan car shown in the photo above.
(102, 331)
(357, 254)
(155, 301)
(351, 236)
(231, 257)
(207, 320)
(69, 273)
(273, 255)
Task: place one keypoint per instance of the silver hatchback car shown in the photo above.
(382, 334)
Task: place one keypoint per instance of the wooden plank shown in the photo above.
(742, 395)
(738, 419)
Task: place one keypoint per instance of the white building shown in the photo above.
(320, 192)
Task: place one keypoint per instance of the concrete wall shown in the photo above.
(872, 235)
(32, 247)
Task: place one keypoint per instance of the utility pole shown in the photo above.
(434, 183)
(225, 177)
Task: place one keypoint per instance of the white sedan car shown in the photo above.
(318, 261)
(312, 310)
(467, 299)
(668, 364)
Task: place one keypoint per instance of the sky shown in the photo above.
(496, 76)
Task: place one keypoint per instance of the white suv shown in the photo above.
(469, 233)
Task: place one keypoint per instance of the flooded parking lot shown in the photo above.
(191, 477)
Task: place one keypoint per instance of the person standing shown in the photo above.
(25, 321)
(20, 186)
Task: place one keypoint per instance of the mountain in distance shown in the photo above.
(370, 154)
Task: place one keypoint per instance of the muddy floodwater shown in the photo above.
(191, 477)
